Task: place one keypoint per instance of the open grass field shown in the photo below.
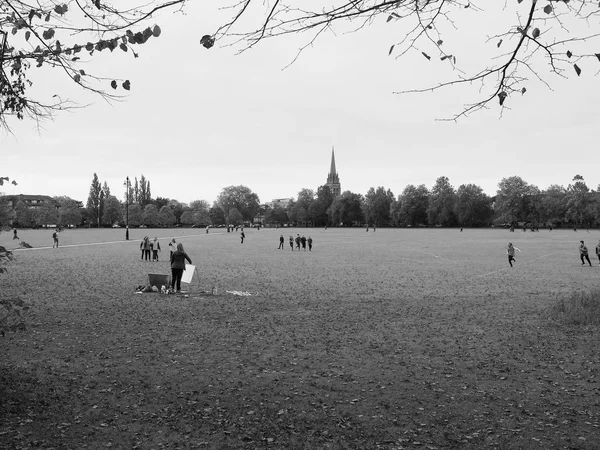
(398, 339)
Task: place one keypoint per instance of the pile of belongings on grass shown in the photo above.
(141, 289)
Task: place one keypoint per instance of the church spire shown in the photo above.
(333, 180)
(332, 171)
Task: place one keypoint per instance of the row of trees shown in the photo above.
(515, 202)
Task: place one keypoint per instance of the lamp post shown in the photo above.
(100, 200)
(127, 184)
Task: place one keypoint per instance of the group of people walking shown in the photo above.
(300, 241)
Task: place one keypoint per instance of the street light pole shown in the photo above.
(99, 205)
(127, 209)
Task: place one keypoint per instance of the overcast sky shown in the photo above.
(198, 120)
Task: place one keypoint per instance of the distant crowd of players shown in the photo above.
(300, 241)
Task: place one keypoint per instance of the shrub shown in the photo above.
(580, 308)
(11, 310)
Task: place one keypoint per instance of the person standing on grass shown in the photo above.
(145, 247)
(298, 242)
(309, 240)
(15, 235)
(155, 249)
(292, 243)
(178, 258)
(281, 240)
(510, 251)
(598, 252)
(55, 239)
(303, 241)
(242, 235)
(172, 247)
(583, 254)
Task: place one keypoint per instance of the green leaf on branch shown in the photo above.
(501, 97)
(535, 33)
(577, 69)
(391, 49)
(207, 41)
(426, 55)
(126, 85)
(123, 47)
(77, 78)
(113, 84)
(27, 35)
(156, 31)
(48, 34)
(548, 9)
(569, 54)
(598, 56)
(61, 9)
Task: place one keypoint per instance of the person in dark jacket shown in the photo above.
(155, 249)
(145, 248)
(281, 241)
(178, 258)
(583, 254)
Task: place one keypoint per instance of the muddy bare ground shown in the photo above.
(399, 339)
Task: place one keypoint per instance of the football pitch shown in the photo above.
(395, 339)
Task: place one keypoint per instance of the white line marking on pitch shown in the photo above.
(105, 243)
(524, 262)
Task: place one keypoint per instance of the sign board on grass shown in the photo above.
(188, 273)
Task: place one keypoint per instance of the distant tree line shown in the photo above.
(516, 203)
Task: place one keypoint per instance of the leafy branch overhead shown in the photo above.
(51, 35)
(540, 38)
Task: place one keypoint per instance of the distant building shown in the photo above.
(333, 180)
(281, 202)
(30, 201)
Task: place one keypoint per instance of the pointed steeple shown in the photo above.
(332, 170)
(333, 180)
